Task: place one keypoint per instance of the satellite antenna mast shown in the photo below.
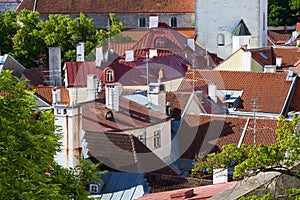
(254, 118)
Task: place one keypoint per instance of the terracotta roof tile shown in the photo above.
(279, 36)
(290, 55)
(123, 152)
(264, 56)
(131, 116)
(76, 73)
(270, 90)
(112, 6)
(45, 92)
(199, 135)
(201, 193)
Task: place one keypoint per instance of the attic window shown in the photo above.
(94, 188)
(142, 22)
(109, 76)
(263, 55)
(174, 22)
(221, 39)
(160, 42)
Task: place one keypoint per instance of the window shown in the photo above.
(173, 22)
(109, 75)
(221, 39)
(142, 22)
(264, 21)
(157, 139)
(94, 188)
(160, 42)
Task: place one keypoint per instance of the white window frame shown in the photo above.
(94, 188)
(109, 76)
(221, 39)
(157, 139)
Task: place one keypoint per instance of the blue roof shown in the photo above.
(123, 186)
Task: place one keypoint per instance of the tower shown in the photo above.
(216, 23)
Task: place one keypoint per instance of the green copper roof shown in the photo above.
(241, 29)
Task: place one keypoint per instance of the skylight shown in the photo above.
(263, 55)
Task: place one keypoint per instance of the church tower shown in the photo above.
(221, 26)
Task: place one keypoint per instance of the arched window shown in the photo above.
(160, 42)
(109, 76)
(221, 39)
(173, 22)
(142, 22)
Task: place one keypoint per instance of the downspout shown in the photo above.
(289, 97)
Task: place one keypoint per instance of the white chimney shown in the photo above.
(129, 56)
(152, 53)
(55, 66)
(157, 96)
(212, 92)
(153, 21)
(56, 96)
(99, 56)
(191, 43)
(278, 61)
(80, 52)
(91, 82)
(246, 60)
(220, 175)
(112, 95)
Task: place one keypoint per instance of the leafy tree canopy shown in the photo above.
(249, 160)
(27, 147)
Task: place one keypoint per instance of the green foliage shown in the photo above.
(282, 12)
(281, 156)
(27, 147)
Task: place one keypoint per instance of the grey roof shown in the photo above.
(241, 29)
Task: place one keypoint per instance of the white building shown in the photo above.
(216, 24)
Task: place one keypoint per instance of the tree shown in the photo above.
(282, 156)
(27, 147)
(8, 28)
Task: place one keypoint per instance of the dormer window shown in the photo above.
(94, 188)
(109, 76)
(174, 22)
(160, 42)
(142, 22)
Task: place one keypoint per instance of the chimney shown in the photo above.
(56, 96)
(220, 175)
(191, 43)
(182, 194)
(212, 92)
(91, 82)
(153, 21)
(269, 68)
(112, 94)
(157, 96)
(129, 56)
(278, 61)
(80, 52)
(99, 56)
(152, 53)
(247, 59)
(55, 66)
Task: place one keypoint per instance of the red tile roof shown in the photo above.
(131, 116)
(277, 37)
(264, 56)
(76, 73)
(201, 193)
(112, 6)
(200, 135)
(45, 93)
(270, 90)
(290, 55)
